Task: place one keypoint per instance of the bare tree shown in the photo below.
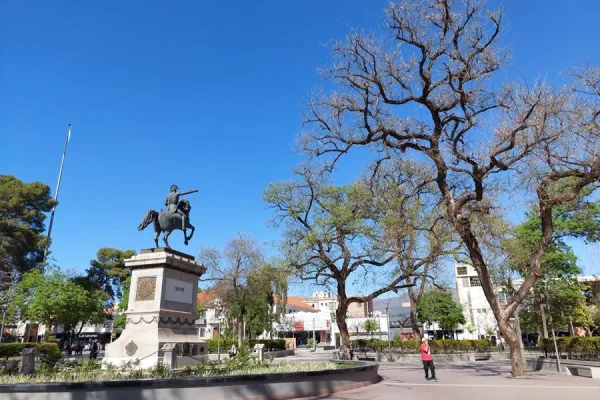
(230, 273)
(332, 237)
(414, 226)
(478, 138)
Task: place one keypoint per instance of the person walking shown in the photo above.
(94, 349)
(427, 360)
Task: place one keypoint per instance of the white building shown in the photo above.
(477, 311)
(104, 332)
(322, 301)
(211, 320)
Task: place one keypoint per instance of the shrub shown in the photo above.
(582, 348)
(49, 351)
(444, 346)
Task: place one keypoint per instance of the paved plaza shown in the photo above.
(464, 381)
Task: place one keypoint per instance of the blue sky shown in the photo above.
(206, 95)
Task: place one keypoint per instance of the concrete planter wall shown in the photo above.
(588, 369)
(255, 387)
(441, 357)
(268, 355)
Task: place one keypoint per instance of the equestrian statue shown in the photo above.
(175, 216)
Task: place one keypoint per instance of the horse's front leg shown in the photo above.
(188, 238)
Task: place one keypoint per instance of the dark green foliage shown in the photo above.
(108, 272)
(22, 216)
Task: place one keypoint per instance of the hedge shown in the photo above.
(270, 345)
(49, 351)
(582, 348)
(412, 346)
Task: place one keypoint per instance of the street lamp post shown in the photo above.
(552, 327)
(219, 340)
(389, 331)
(314, 337)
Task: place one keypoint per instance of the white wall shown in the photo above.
(476, 309)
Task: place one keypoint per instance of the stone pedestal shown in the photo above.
(27, 366)
(162, 309)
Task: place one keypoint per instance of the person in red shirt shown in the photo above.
(427, 360)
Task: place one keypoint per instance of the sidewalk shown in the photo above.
(488, 380)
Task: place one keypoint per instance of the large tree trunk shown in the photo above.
(240, 331)
(517, 355)
(340, 319)
(413, 314)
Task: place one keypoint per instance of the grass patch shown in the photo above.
(89, 372)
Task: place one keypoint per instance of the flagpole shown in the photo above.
(62, 163)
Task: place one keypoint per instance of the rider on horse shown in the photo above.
(172, 203)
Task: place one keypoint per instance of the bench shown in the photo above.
(482, 357)
(586, 371)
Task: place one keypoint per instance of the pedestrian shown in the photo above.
(427, 360)
(94, 349)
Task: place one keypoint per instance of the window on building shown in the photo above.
(475, 281)
(461, 271)
(202, 331)
(465, 282)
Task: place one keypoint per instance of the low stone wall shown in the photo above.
(587, 369)
(416, 358)
(279, 354)
(256, 387)
(268, 355)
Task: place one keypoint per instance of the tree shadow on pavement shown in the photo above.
(493, 369)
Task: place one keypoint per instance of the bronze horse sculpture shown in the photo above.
(167, 222)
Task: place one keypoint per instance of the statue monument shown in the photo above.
(161, 315)
(176, 216)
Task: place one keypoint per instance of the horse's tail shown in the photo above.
(150, 217)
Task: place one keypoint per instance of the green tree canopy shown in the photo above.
(438, 306)
(579, 219)
(370, 326)
(108, 272)
(54, 299)
(22, 208)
